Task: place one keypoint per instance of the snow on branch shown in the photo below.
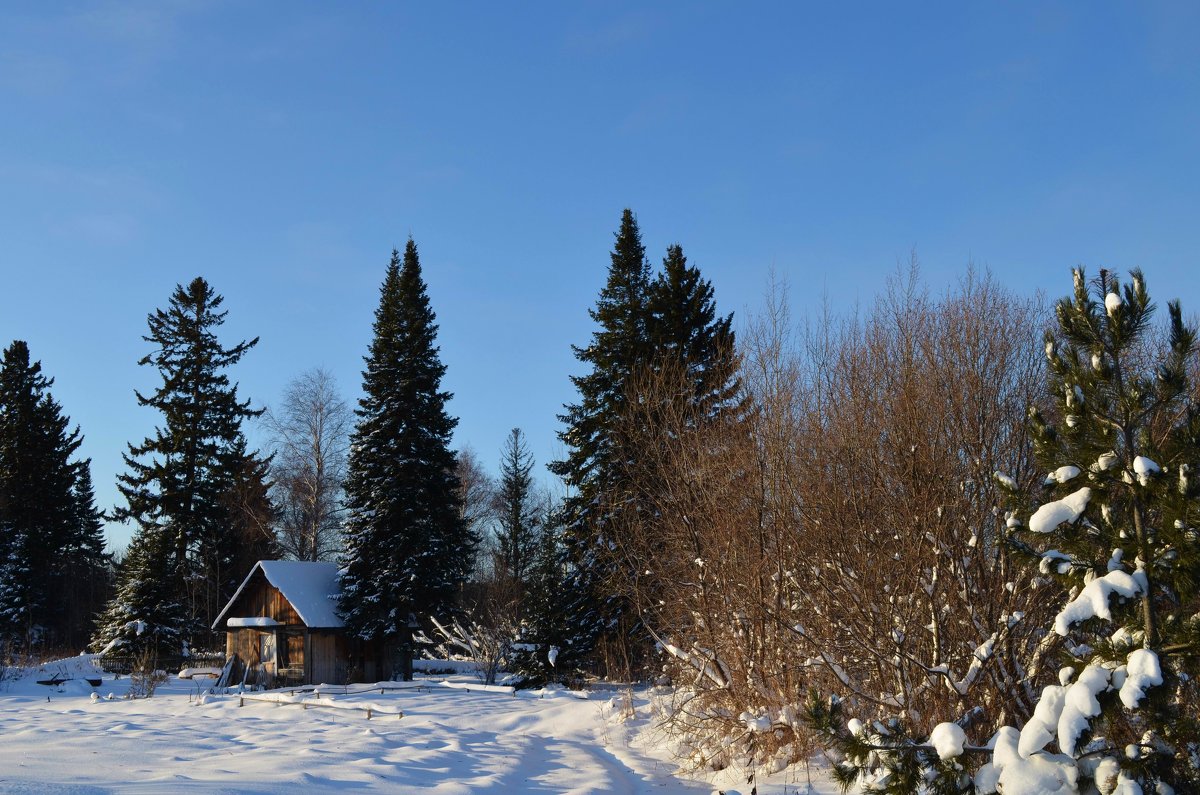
(1049, 516)
(1092, 601)
(704, 661)
(1142, 671)
(709, 667)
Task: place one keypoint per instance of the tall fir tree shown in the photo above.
(179, 480)
(516, 513)
(593, 469)
(408, 550)
(685, 330)
(49, 526)
(663, 334)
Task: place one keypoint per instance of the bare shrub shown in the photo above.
(700, 560)
(146, 676)
(484, 637)
(846, 537)
(476, 493)
(917, 609)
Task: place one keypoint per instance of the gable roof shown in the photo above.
(311, 587)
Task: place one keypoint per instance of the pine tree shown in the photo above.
(178, 483)
(48, 523)
(408, 550)
(597, 448)
(1122, 535)
(517, 516)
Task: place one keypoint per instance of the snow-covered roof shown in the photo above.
(251, 621)
(311, 587)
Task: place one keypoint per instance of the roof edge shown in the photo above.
(221, 617)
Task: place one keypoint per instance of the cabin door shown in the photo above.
(266, 653)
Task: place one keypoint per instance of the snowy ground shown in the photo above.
(454, 737)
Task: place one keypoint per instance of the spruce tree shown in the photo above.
(661, 334)
(146, 613)
(179, 479)
(593, 470)
(87, 523)
(86, 566)
(553, 643)
(517, 515)
(684, 330)
(49, 527)
(408, 550)
(690, 384)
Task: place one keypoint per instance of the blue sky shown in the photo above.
(282, 149)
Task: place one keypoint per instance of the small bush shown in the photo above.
(146, 676)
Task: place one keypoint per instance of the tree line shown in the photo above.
(53, 568)
(895, 535)
(419, 529)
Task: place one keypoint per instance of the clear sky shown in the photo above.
(281, 149)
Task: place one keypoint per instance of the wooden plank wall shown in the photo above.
(326, 661)
(244, 643)
(263, 599)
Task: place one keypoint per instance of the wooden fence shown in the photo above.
(124, 663)
(371, 710)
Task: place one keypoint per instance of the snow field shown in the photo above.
(454, 737)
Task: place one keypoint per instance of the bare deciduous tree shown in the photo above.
(476, 491)
(309, 436)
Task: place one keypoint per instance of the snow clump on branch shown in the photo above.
(1049, 516)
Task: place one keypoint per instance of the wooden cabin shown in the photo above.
(282, 626)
